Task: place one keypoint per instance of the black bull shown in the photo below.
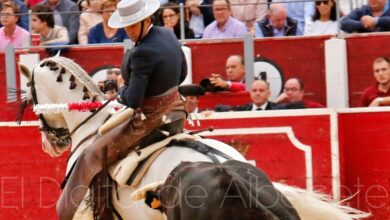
(232, 190)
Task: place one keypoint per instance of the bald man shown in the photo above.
(278, 24)
(259, 94)
(235, 73)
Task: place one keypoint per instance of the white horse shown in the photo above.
(52, 80)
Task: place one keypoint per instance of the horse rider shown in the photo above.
(151, 73)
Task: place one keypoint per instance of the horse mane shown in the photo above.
(79, 73)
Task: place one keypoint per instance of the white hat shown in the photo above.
(129, 12)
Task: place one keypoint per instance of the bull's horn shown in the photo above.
(141, 192)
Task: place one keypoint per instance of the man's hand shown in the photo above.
(368, 22)
(376, 102)
(120, 81)
(281, 98)
(217, 81)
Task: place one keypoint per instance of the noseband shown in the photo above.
(56, 136)
(61, 137)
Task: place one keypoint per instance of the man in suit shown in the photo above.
(293, 96)
(151, 73)
(259, 94)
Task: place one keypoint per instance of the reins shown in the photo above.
(60, 136)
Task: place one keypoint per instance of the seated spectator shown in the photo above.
(249, 11)
(198, 17)
(171, 20)
(374, 17)
(379, 95)
(292, 97)
(43, 24)
(23, 9)
(225, 25)
(277, 25)
(191, 93)
(324, 19)
(259, 94)
(235, 72)
(11, 33)
(102, 33)
(301, 11)
(88, 19)
(69, 18)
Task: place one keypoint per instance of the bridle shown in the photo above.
(60, 137)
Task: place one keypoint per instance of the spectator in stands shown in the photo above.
(11, 33)
(23, 10)
(374, 17)
(278, 24)
(249, 11)
(43, 24)
(301, 11)
(379, 95)
(225, 25)
(109, 86)
(235, 73)
(259, 94)
(324, 19)
(191, 93)
(171, 20)
(88, 19)
(66, 14)
(198, 17)
(292, 97)
(102, 33)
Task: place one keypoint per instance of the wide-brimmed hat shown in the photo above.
(129, 12)
(191, 90)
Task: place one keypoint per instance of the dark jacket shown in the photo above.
(70, 18)
(267, 29)
(351, 22)
(152, 67)
(246, 107)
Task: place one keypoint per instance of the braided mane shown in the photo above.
(79, 73)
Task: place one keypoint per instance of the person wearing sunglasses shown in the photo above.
(374, 17)
(324, 19)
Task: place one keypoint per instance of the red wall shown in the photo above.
(362, 49)
(30, 179)
(296, 56)
(366, 151)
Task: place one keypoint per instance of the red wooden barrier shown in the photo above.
(296, 56)
(319, 149)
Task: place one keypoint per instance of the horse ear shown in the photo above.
(24, 71)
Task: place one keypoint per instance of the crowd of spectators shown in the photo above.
(202, 18)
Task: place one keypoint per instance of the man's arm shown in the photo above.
(258, 32)
(132, 94)
(237, 86)
(384, 22)
(380, 101)
(184, 69)
(351, 23)
(74, 24)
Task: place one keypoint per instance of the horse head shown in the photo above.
(59, 80)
